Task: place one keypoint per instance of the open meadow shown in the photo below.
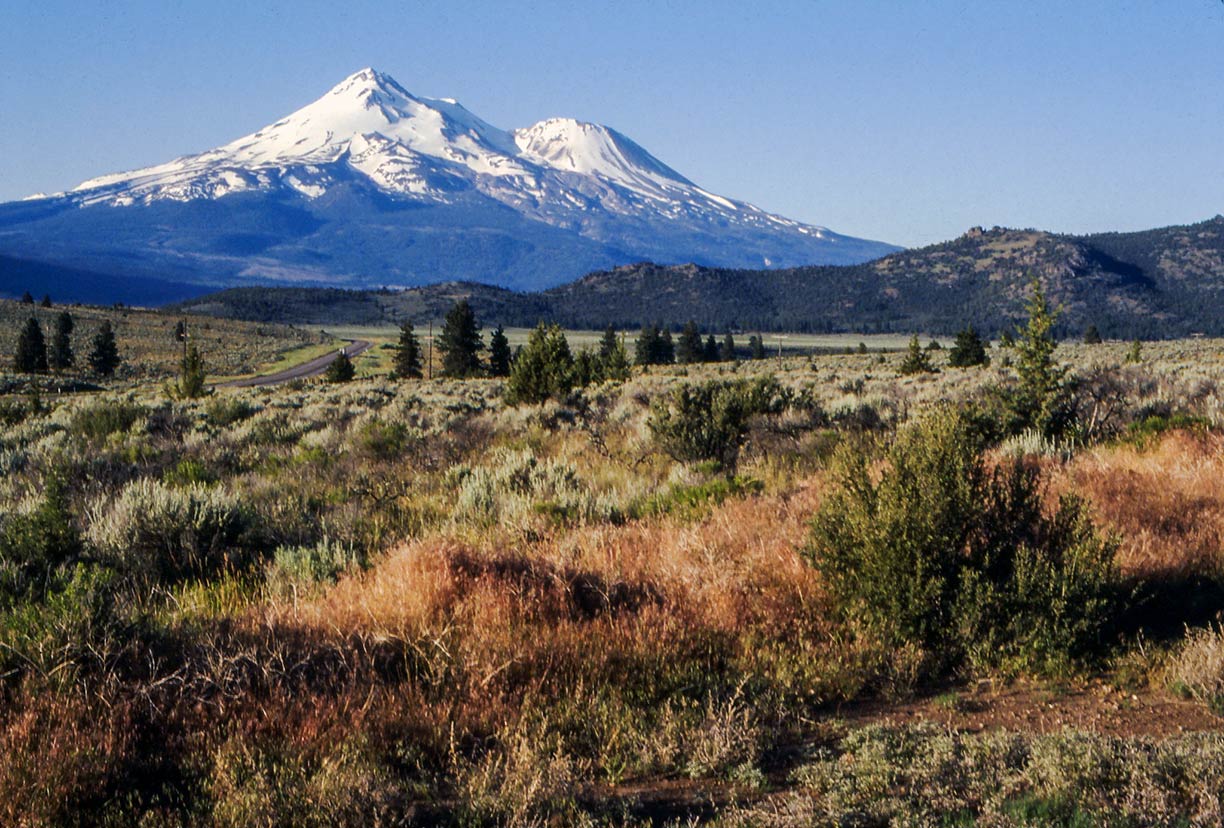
(808, 590)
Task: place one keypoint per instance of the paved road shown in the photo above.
(312, 368)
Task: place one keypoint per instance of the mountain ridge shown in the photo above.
(1151, 284)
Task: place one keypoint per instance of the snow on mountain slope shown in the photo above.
(426, 148)
(470, 200)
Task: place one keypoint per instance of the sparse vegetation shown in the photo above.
(385, 602)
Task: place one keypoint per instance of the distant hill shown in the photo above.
(79, 285)
(1151, 284)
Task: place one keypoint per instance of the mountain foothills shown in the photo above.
(1151, 284)
(373, 186)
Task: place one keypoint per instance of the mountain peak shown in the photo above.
(366, 81)
(577, 183)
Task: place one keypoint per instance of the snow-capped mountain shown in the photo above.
(372, 185)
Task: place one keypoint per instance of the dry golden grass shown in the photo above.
(1166, 502)
(734, 567)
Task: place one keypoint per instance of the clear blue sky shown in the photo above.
(902, 121)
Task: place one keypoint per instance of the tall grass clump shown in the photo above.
(99, 420)
(942, 550)
(153, 530)
(517, 484)
(1196, 669)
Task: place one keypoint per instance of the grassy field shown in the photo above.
(148, 347)
(833, 595)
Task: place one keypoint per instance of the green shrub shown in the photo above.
(60, 632)
(384, 441)
(322, 563)
(959, 558)
(13, 412)
(187, 472)
(223, 412)
(695, 501)
(1148, 430)
(155, 531)
(710, 421)
(35, 545)
(98, 421)
(517, 484)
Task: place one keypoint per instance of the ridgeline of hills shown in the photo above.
(1151, 284)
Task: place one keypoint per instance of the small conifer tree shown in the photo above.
(499, 353)
(544, 369)
(1135, 355)
(192, 375)
(709, 353)
(341, 369)
(62, 357)
(968, 350)
(408, 353)
(727, 352)
(31, 355)
(614, 362)
(608, 342)
(646, 347)
(917, 361)
(1092, 336)
(460, 342)
(756, 346)
(688, 347)
(104, 356)
(666, 350)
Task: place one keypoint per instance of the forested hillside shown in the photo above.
(1151, 284)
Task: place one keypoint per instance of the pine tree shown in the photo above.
(727, 352)
(666, 354)
(27, 298)
(968, 350)
(710, 352)
(544, 369)
(1040, 390)
(460, 343)
(341, 369)
(646, 347)
(1135, 355)
(614, 362)
(31, 356)
(862, 347)
(608, 343)
(191, 375)
(917, 361)
(1092, 336)
(688, 346)
(104, 357)
(46, 300)
(408, 354)
(757, 345)
(62, 357)
(499, 353)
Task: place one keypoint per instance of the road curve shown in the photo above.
(312, 368)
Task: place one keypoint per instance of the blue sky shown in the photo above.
(907, 122)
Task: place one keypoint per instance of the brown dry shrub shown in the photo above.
(59, 756)
(1167, 502)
